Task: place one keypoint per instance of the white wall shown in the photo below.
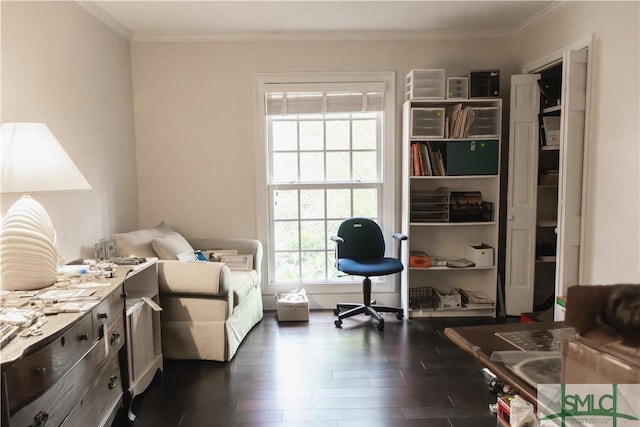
(63, 67)
(195, 116)
(612, 232)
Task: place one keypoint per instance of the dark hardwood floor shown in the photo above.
(314, 374)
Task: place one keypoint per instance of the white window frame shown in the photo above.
(386, 155)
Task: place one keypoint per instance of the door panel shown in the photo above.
(571, 169)
(521, 193)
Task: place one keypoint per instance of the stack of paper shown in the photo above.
(476, 299)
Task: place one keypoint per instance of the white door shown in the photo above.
(522, 194)
(574, 90)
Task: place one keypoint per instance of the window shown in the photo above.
(325, 150)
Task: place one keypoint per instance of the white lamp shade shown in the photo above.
(33, 160)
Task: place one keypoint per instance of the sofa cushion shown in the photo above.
(139, 242)
(242, 283)
(170, 245)
(621, 312)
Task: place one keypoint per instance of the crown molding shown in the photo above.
(105, 18)
(314, 36)
(290, 36)
(551, 9)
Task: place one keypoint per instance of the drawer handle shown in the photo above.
(115, 338)
(112, 381)
(102, 315)
(40, 419)
(39, 372)
(83, 337)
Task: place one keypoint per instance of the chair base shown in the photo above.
(369, 308)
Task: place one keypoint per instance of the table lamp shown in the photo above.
(32, 161)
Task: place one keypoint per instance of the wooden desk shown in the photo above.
(481, 342)
(71, 375)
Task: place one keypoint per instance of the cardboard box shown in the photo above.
(448, 298)
(504, 411)
(480, 253)
(292, 311)
(419, 259)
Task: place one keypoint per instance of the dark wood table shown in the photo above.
(482, 341)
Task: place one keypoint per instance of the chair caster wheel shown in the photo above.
(338, 323)
(381, 325)
(399, 316)
(336, 311)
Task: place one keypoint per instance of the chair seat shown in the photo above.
(377, 267)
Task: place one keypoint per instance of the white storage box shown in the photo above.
(457, 87)
(481, 254)
(292, 307)
(425, 84)
(427, 123)
(551, 125)
(553, 137)
(485, 122)
(447, 298)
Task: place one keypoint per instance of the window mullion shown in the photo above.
(299, 234)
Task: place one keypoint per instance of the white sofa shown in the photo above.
(207, 309)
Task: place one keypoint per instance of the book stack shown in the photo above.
(476, 299)
(427, 160)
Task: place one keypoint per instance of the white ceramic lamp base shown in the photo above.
(28, 254)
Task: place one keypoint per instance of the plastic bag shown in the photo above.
(522, 413)
(296, 295)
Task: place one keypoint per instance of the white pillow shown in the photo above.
(138, 243)
(170, 245)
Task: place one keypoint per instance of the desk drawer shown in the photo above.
(105, 313)
(56, 402)
(100, 400)
(36, 372)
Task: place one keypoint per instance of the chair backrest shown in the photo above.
(363, 240)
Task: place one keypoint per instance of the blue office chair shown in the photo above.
(360, 252)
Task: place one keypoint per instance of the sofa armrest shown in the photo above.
(243, 246)
(195, 278)
(585, 305)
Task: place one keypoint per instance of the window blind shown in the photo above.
(322, 103)
(298, 99)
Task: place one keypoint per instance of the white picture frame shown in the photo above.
(238, 262)
(215, 255)
(109, 248)
(99, 251)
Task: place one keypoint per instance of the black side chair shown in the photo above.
(360, 252)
